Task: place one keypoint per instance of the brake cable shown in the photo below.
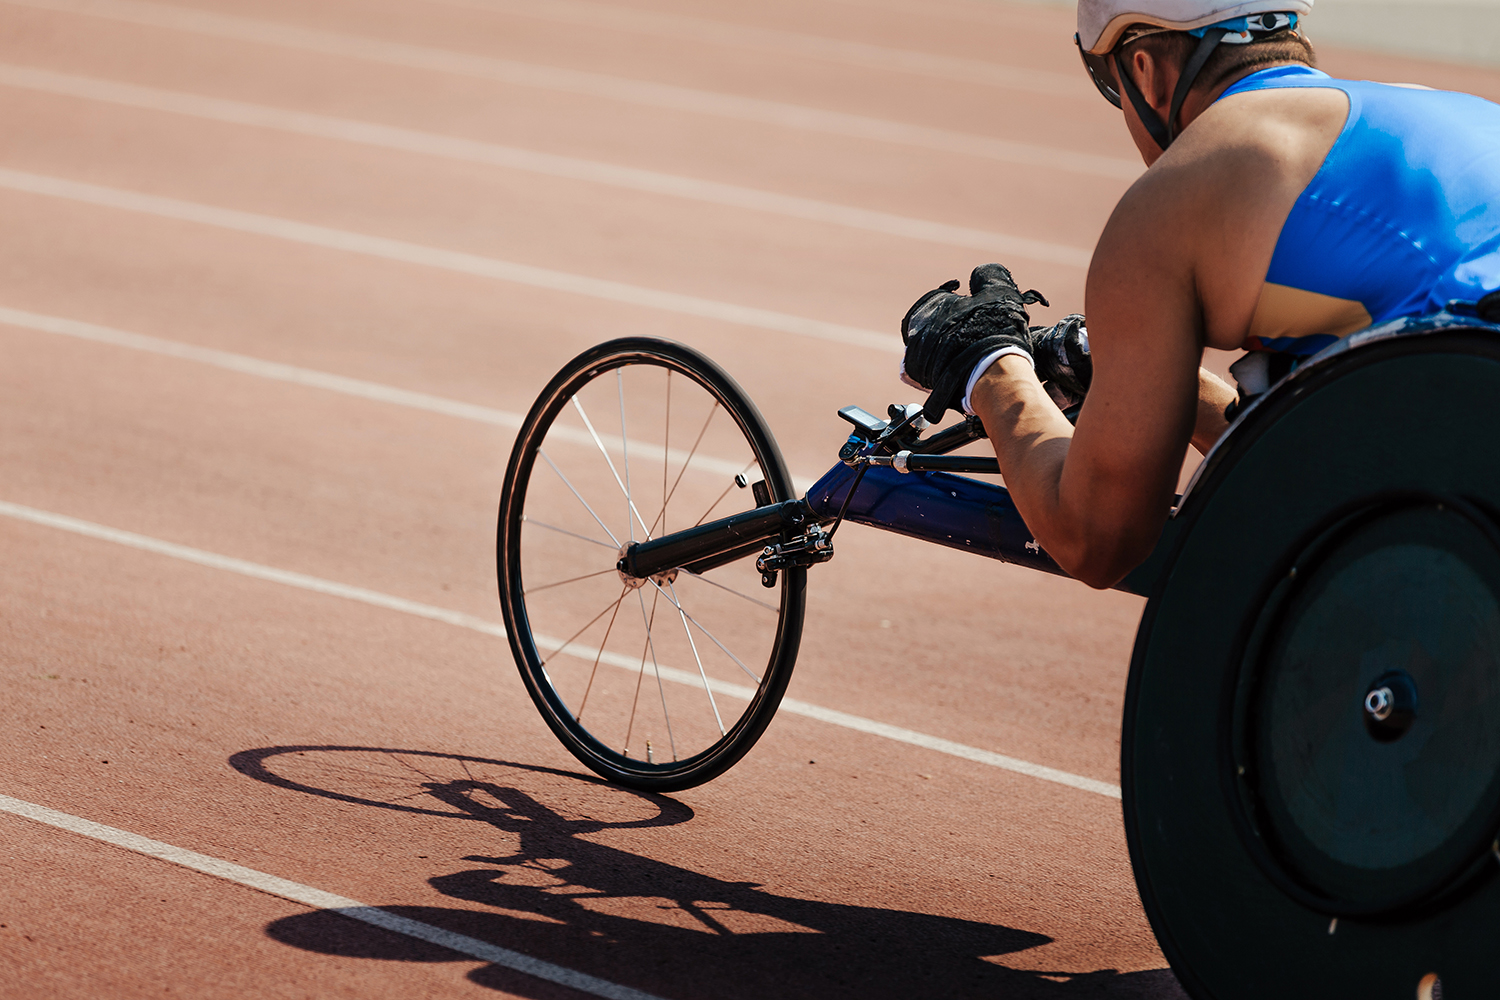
(864, 465)
(844, 507)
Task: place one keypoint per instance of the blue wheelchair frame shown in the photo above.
(899, 485)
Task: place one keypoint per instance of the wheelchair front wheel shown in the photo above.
(656, 684)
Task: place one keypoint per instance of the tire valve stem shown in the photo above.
(650, 758)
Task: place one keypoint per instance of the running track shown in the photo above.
(277, 281)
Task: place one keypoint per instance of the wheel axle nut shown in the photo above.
(1378, 703)
(1390, 706)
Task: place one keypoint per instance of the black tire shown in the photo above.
(1284, 843)
(600, 724)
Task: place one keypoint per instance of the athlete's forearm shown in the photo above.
(1031, 439)
(1097, 511)
(1214, 394)
(1029, 432)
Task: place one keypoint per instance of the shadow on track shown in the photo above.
(628, 918)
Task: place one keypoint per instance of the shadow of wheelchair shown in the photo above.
(629, 918)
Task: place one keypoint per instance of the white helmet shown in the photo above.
(1101, 22)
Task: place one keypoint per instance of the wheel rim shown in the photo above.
(661, 682)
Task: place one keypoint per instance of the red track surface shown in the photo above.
(136, 682)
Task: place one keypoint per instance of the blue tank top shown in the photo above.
(1402, 218)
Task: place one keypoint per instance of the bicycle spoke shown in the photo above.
(564, 531)
(625, 452)
(688, 461)
(569, 641)
(711, 637)
(661, 689)
(697, 659)
(715, 583)
(543, 452)
(559, 583)
(612, 471)
(600, 655)
(641, 676)
(720, 500)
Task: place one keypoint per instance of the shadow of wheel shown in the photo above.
(554, 883)
(1311, 755)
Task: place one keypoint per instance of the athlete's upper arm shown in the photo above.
(1181, 263)
(1145, 333)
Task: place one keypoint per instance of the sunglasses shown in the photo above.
(1098, 68)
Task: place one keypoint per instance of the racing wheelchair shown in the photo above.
(1310, 756)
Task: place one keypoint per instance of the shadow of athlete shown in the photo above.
(677, 932)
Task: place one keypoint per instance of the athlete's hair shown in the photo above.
(1176, 47)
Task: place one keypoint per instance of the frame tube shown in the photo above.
(936, 507)
(939, 507)
(727, 538)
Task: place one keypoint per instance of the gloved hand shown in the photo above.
(947, 334)
(1061, 354)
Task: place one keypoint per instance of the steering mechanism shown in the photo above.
(875, 442)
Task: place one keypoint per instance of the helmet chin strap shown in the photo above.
(1165, 133)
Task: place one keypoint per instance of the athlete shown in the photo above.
(1281, 209)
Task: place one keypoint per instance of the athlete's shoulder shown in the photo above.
(1238, 156)
(1204, 219)
(1260, 135)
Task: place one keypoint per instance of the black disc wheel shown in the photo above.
(1311, 749)
(658, 683)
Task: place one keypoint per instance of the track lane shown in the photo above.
(581, 230)
(514, 158)
(381, 683)
(445, 333)
(950, 190)
(671, 671)
(248, 497)
(648, 90)
(462, 262)
(957, 879)
(701, 30)
(317, 899)
(67, 896)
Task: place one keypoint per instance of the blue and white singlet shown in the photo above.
(1402, 218)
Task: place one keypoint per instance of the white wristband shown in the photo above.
(984, 366)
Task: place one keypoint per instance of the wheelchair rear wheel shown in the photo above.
(662, 683)
(1311, 747)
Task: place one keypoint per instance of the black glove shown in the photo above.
(1061, 353)
(947, 334)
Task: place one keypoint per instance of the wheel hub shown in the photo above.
(663, 579)
(1365, 803)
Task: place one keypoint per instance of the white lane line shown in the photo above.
(320, 900)
(531, 161)
(593, 85)
(243, 567)
(839, 50)
(448, 260)
(245, 365)
(377, 599)
(951, 748)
